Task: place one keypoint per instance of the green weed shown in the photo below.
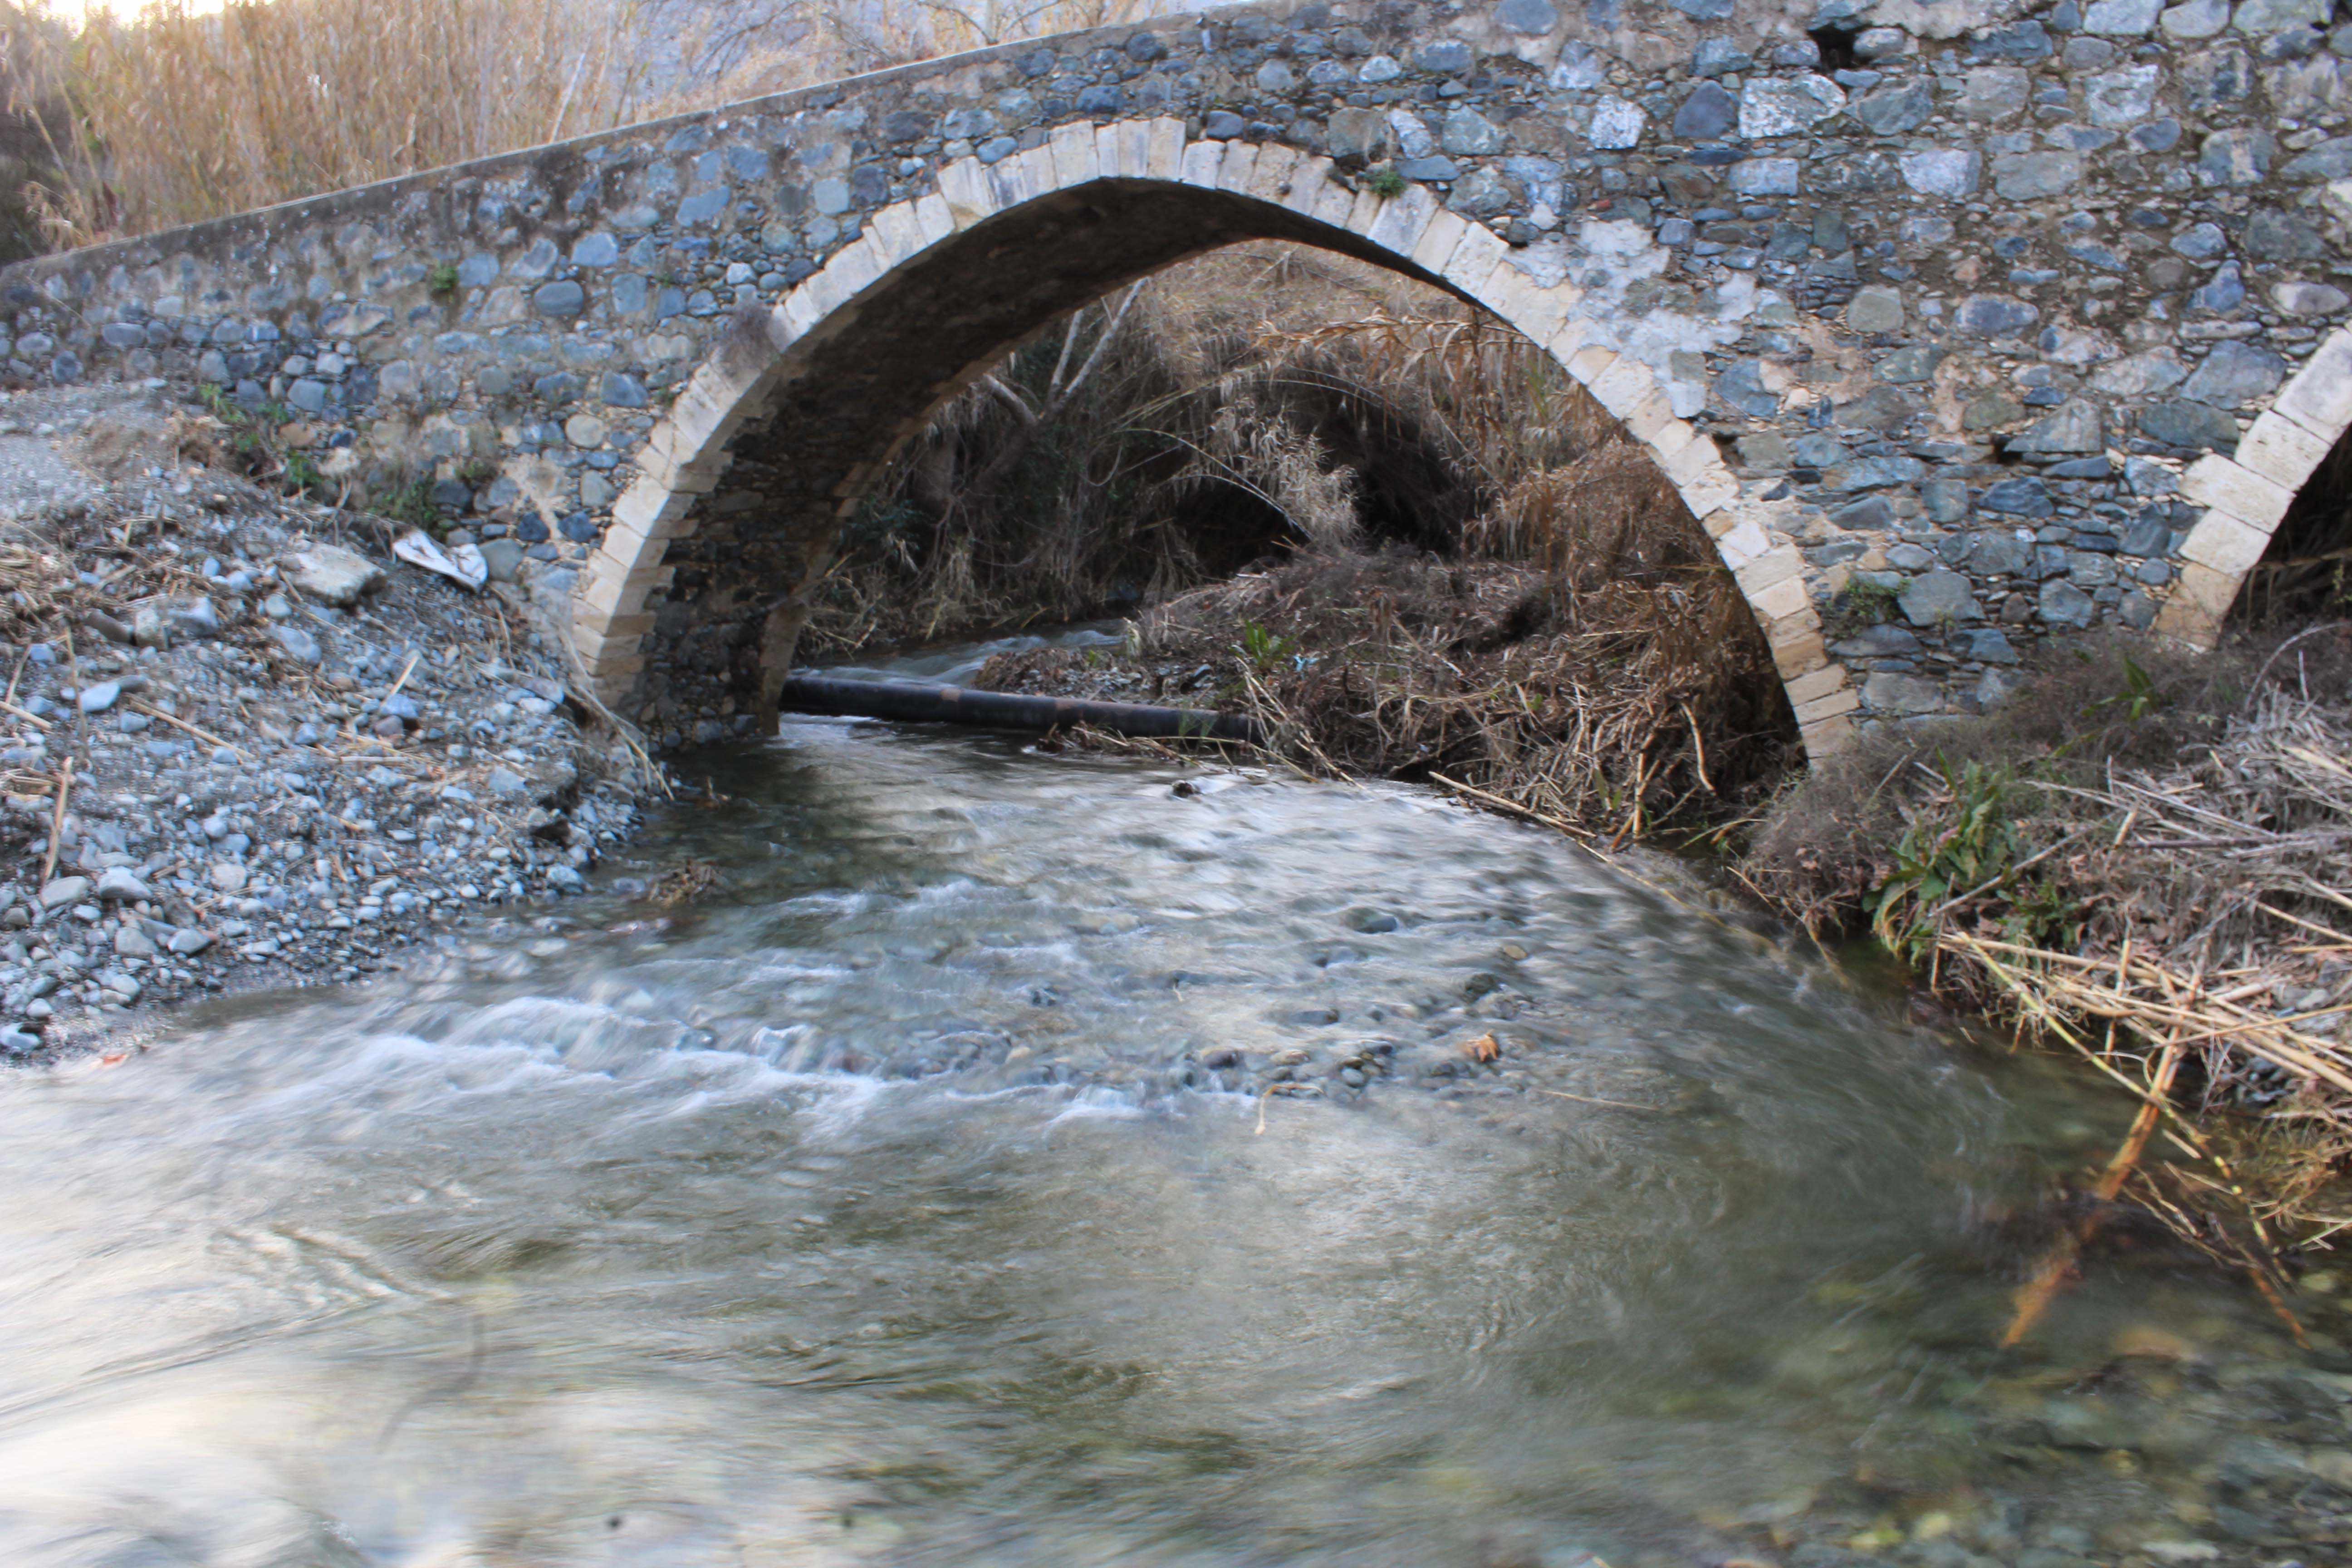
(1972, 845)
(412, 503)
(1263, 648)
(1866, 602)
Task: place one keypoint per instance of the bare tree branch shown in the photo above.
(1011, 399)
(1032, 423)
(1110, 330)
(1069, 341)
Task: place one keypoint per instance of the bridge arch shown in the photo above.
(2246, 496)
(818, 392)
(1988, 306)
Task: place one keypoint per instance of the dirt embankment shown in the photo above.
(242, 745)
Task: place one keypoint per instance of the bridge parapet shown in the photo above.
(2027, 317)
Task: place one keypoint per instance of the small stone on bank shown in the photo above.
(298, 644)
(332, 575)
(118, 882)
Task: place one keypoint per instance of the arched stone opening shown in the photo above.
(2276, 497)
(2305, 570)
(741, 490)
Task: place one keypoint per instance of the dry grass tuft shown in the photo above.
(179, 115)
(174, 113)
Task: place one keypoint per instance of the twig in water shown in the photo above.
(2058, 1266)
(1612, 1104)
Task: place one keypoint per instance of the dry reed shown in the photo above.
(1620, 710)
(174, 114)
(1179, 464)
(2168, 892)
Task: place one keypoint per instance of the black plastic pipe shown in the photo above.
(918, 702)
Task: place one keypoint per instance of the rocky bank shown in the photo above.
(244, 746)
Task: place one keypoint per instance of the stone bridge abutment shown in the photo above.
(2005, 320)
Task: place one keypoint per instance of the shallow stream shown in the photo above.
(1016, 1163)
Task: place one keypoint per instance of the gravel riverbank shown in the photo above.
(244, 747)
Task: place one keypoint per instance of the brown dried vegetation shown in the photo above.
(1452, 564)
(2145, 859)
(172, 112)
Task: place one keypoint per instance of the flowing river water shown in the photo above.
(1016, 1163)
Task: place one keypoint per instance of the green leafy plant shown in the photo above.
(1386, 184)
(2138, 699)
(442, 281)
(412, 503)
(1263, 648)
(1971, 846)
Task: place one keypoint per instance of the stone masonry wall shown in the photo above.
(1960, 290)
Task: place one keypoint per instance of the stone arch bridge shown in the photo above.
(2032, 315)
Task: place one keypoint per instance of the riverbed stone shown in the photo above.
(299, 645)
(119, 884)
